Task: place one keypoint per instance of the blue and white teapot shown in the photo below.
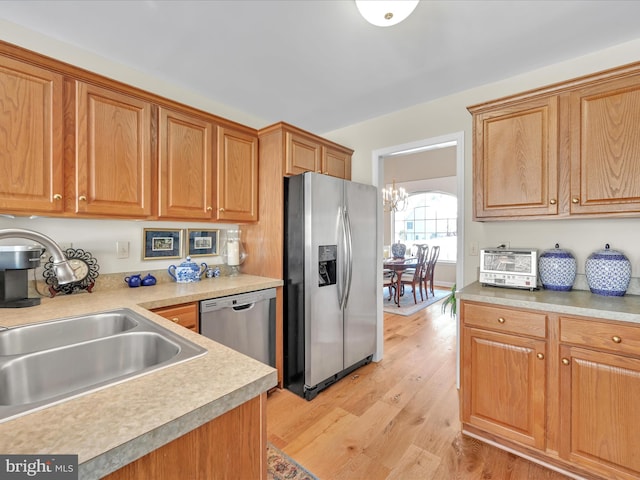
(187, 271)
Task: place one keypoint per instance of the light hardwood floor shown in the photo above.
(395, 419)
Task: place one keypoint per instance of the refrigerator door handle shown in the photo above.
(349, 257)
(342, 280)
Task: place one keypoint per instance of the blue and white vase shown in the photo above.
(398, 250)
(608, 272)
(557, 268)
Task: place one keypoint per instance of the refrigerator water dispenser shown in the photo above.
(327, 256)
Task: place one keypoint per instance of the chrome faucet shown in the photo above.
(61, 268)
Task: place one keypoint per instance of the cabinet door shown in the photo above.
(237, 182)
(516, 160)
(605, 147)
(336, 163)
(185, 315)
(599, 411)
(31, 141)
(503, 385)
(186, 166)
(231, 446)
(113, 153)
(302, 154)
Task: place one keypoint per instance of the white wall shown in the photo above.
(449, 114)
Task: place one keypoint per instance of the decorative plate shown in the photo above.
(84, 265)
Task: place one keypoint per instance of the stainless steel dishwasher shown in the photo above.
(244, 322)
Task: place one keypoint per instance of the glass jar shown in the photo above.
(233, 252)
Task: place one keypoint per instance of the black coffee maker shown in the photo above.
(15, 263)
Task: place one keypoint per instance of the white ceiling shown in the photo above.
(316, 63)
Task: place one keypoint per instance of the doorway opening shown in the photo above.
(379, 157)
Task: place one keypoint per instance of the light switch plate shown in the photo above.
(122, 249)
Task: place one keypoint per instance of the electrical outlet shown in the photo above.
(473, 249)
(122, 249)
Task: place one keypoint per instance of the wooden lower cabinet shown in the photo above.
(568, 400)
(185, 315)
(599, 392)
(505, 385)
(504, 372)
(229, 447)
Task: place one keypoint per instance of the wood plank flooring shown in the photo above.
(395, 419)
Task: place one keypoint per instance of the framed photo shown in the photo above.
(161, 243)
(202, 242)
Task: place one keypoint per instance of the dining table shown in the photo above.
(399, 265)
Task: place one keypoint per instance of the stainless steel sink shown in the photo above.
(64, 369)
(41, 336)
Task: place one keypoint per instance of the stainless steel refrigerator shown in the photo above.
(330, 280)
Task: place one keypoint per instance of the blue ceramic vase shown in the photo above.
(608, 272)
(557, 269)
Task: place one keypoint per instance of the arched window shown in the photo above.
(431, 218)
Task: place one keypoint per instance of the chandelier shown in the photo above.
(394, 199)
(385, 13)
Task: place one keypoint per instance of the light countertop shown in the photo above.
(114, 426)
(574, 302)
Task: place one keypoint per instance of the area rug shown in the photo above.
(281, 466)
(407, 307)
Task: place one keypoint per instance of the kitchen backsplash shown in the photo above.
(114, 281)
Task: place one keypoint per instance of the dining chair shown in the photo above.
(413, 276)
(427, 273)
(389, 281)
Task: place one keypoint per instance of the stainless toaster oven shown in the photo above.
(509, 267)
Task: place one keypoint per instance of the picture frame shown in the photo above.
(202, 242)
(161, 243)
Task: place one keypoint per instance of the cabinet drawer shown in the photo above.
(611, 336)
(503, 319)
(185, 315)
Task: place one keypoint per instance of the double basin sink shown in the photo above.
(46, 363)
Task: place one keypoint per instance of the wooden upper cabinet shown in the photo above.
(31, 139)
(605, 147)
(302, 154)
(185, 174)
(516, 160)
(564, 150)
(306, 153)
(112, 153)
(237, 178)
(336, 163)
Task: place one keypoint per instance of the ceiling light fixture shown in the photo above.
(394, 199)
(384, 13)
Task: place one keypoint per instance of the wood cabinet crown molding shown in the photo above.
(623, 71)
(568, 150)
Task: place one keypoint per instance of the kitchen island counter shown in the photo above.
(114, 426)
(574, 302)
